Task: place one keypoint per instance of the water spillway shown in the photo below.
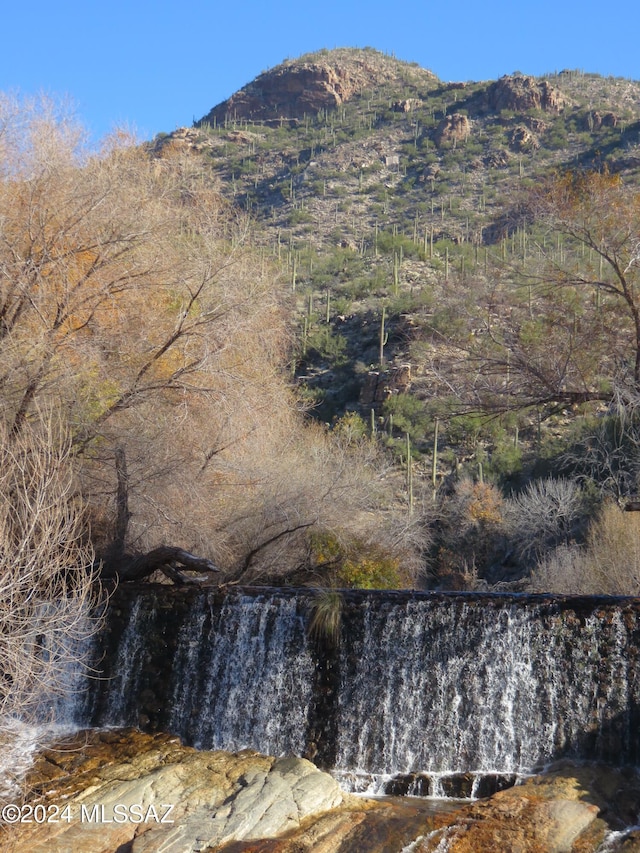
(420, 693)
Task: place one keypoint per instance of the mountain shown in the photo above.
(349, 158)
(395, 201)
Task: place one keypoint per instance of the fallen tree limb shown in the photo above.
(171, 561)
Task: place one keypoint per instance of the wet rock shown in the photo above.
(557, 813)
(630, 844)
(250, 803)
(150, 792)
(457, 785)
(490, 783)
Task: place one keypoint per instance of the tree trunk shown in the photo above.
(166, 558)
(116, 563)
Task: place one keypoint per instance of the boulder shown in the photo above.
(521, 139)
(408, 105)
(595, 120)
(558, 812)
(121, 791)
(520, 93)
(111, 789)
(452, 129)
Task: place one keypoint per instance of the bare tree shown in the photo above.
(319, 483)
(48, 589)
(557, 325)
(546, 514)
(130, 295)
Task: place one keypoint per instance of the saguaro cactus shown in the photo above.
(384, 336)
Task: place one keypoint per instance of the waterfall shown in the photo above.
(243, 676)
(420, 689)
(61, 704)
(494, 686)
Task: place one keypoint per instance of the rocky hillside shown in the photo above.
(335, 145)
(368, 176)
(394, 201)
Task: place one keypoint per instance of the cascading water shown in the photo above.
(420, 687)
(61, 703)
(243, 676)
(483, 687)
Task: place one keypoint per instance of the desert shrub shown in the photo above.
(505, 462)
(328, 345)
(471, 532)
(300, 217)
(546, 514)
(408, 415)
(373, 570)
(608, 564)
(357, 564)
(388, 243)
(351, 428)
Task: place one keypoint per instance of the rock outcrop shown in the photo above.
(452, 129)
(407, 105)
(594, 120)
(106, 789)
(380, 385)
(545, 815)
(521, 139)
(320, 81)
(121, 791)
(520, 93)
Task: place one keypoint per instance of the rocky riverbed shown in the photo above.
(122, 791)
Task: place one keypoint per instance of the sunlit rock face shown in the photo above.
(103, 790)
(521, 93)
(321, 81)
(121, 790)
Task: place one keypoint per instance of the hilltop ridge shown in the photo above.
(323, 80)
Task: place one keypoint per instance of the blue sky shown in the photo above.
(153, 66)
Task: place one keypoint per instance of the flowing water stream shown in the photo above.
(422, 693)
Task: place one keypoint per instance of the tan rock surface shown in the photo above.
(452, 129)
(107, 789)
(126, 792)
(554, 813)
(521, 93)
(323, 80)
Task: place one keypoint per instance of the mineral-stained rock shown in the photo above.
(554, 813)
(109, 782)
(127, 792)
